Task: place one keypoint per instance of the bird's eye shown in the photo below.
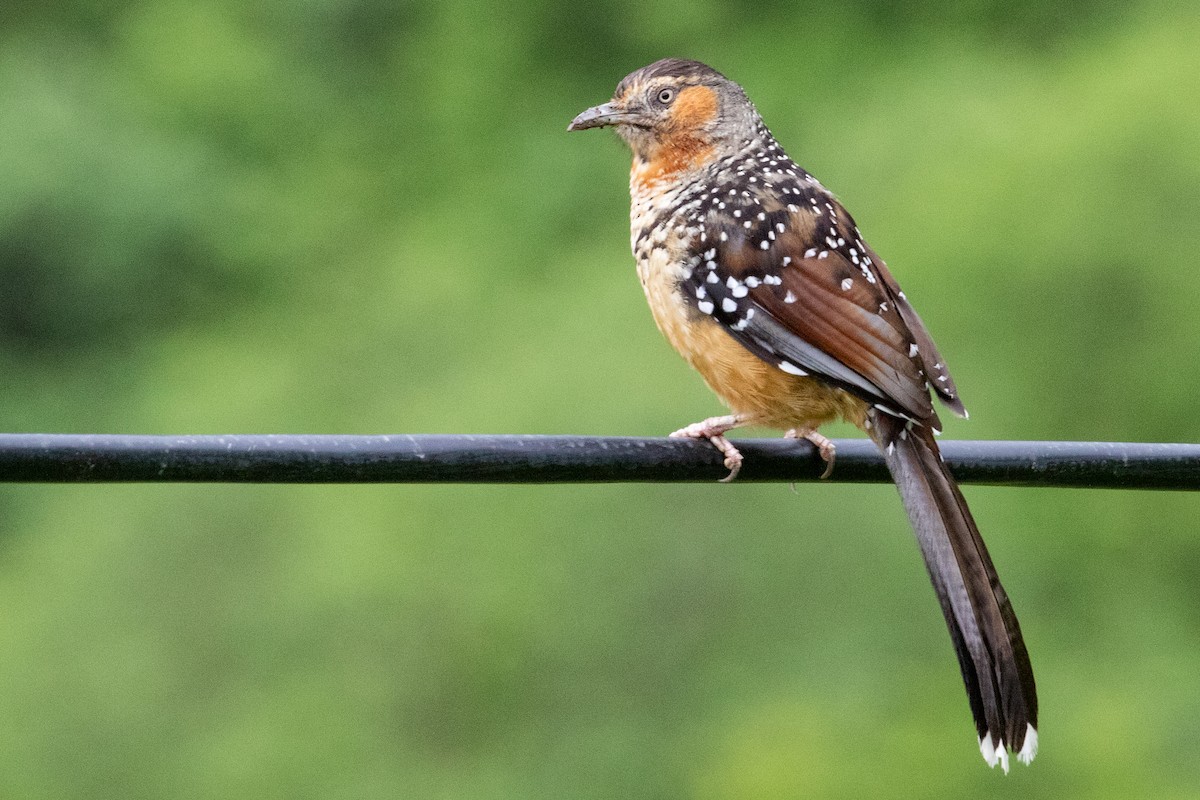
(666, 96)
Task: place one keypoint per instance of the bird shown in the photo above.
(762, 281)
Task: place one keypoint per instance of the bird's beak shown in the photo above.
(604, 115)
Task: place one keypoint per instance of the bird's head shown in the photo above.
(675, 115)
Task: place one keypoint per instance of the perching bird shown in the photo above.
(759, 277)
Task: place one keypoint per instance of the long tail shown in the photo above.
(995, 665)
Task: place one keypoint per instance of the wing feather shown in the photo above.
(830, 309)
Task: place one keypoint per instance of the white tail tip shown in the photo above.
(1029, 749)
(988, 750)
(996, 752)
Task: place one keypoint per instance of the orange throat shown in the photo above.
(680, 154)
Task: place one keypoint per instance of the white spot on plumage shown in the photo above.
(705, 306)
(912, 350)
(892, 411)
(847, 283)
(728, 305)
(810, 252)
(787, 260)
(752, 281)
(724, 236)
(791, 368)
(764, 244)
(790, 297)
(712, 277)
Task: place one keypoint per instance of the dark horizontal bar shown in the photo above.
(464, 458)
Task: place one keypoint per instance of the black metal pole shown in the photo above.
(464, 458)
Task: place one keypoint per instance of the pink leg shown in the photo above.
(714, 429)
(824, 445)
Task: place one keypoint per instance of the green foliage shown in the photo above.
(319, 216)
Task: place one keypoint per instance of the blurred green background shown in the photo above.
(365, 216)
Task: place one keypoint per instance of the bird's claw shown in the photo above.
(824, 445)
(714, 430)
(733, 457)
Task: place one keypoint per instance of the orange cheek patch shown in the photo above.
(695, 107)
(683, 143)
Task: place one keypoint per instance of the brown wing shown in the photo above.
(932, 362)
(793, 290)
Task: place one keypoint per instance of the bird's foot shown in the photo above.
(714, 429)
(824, 445)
